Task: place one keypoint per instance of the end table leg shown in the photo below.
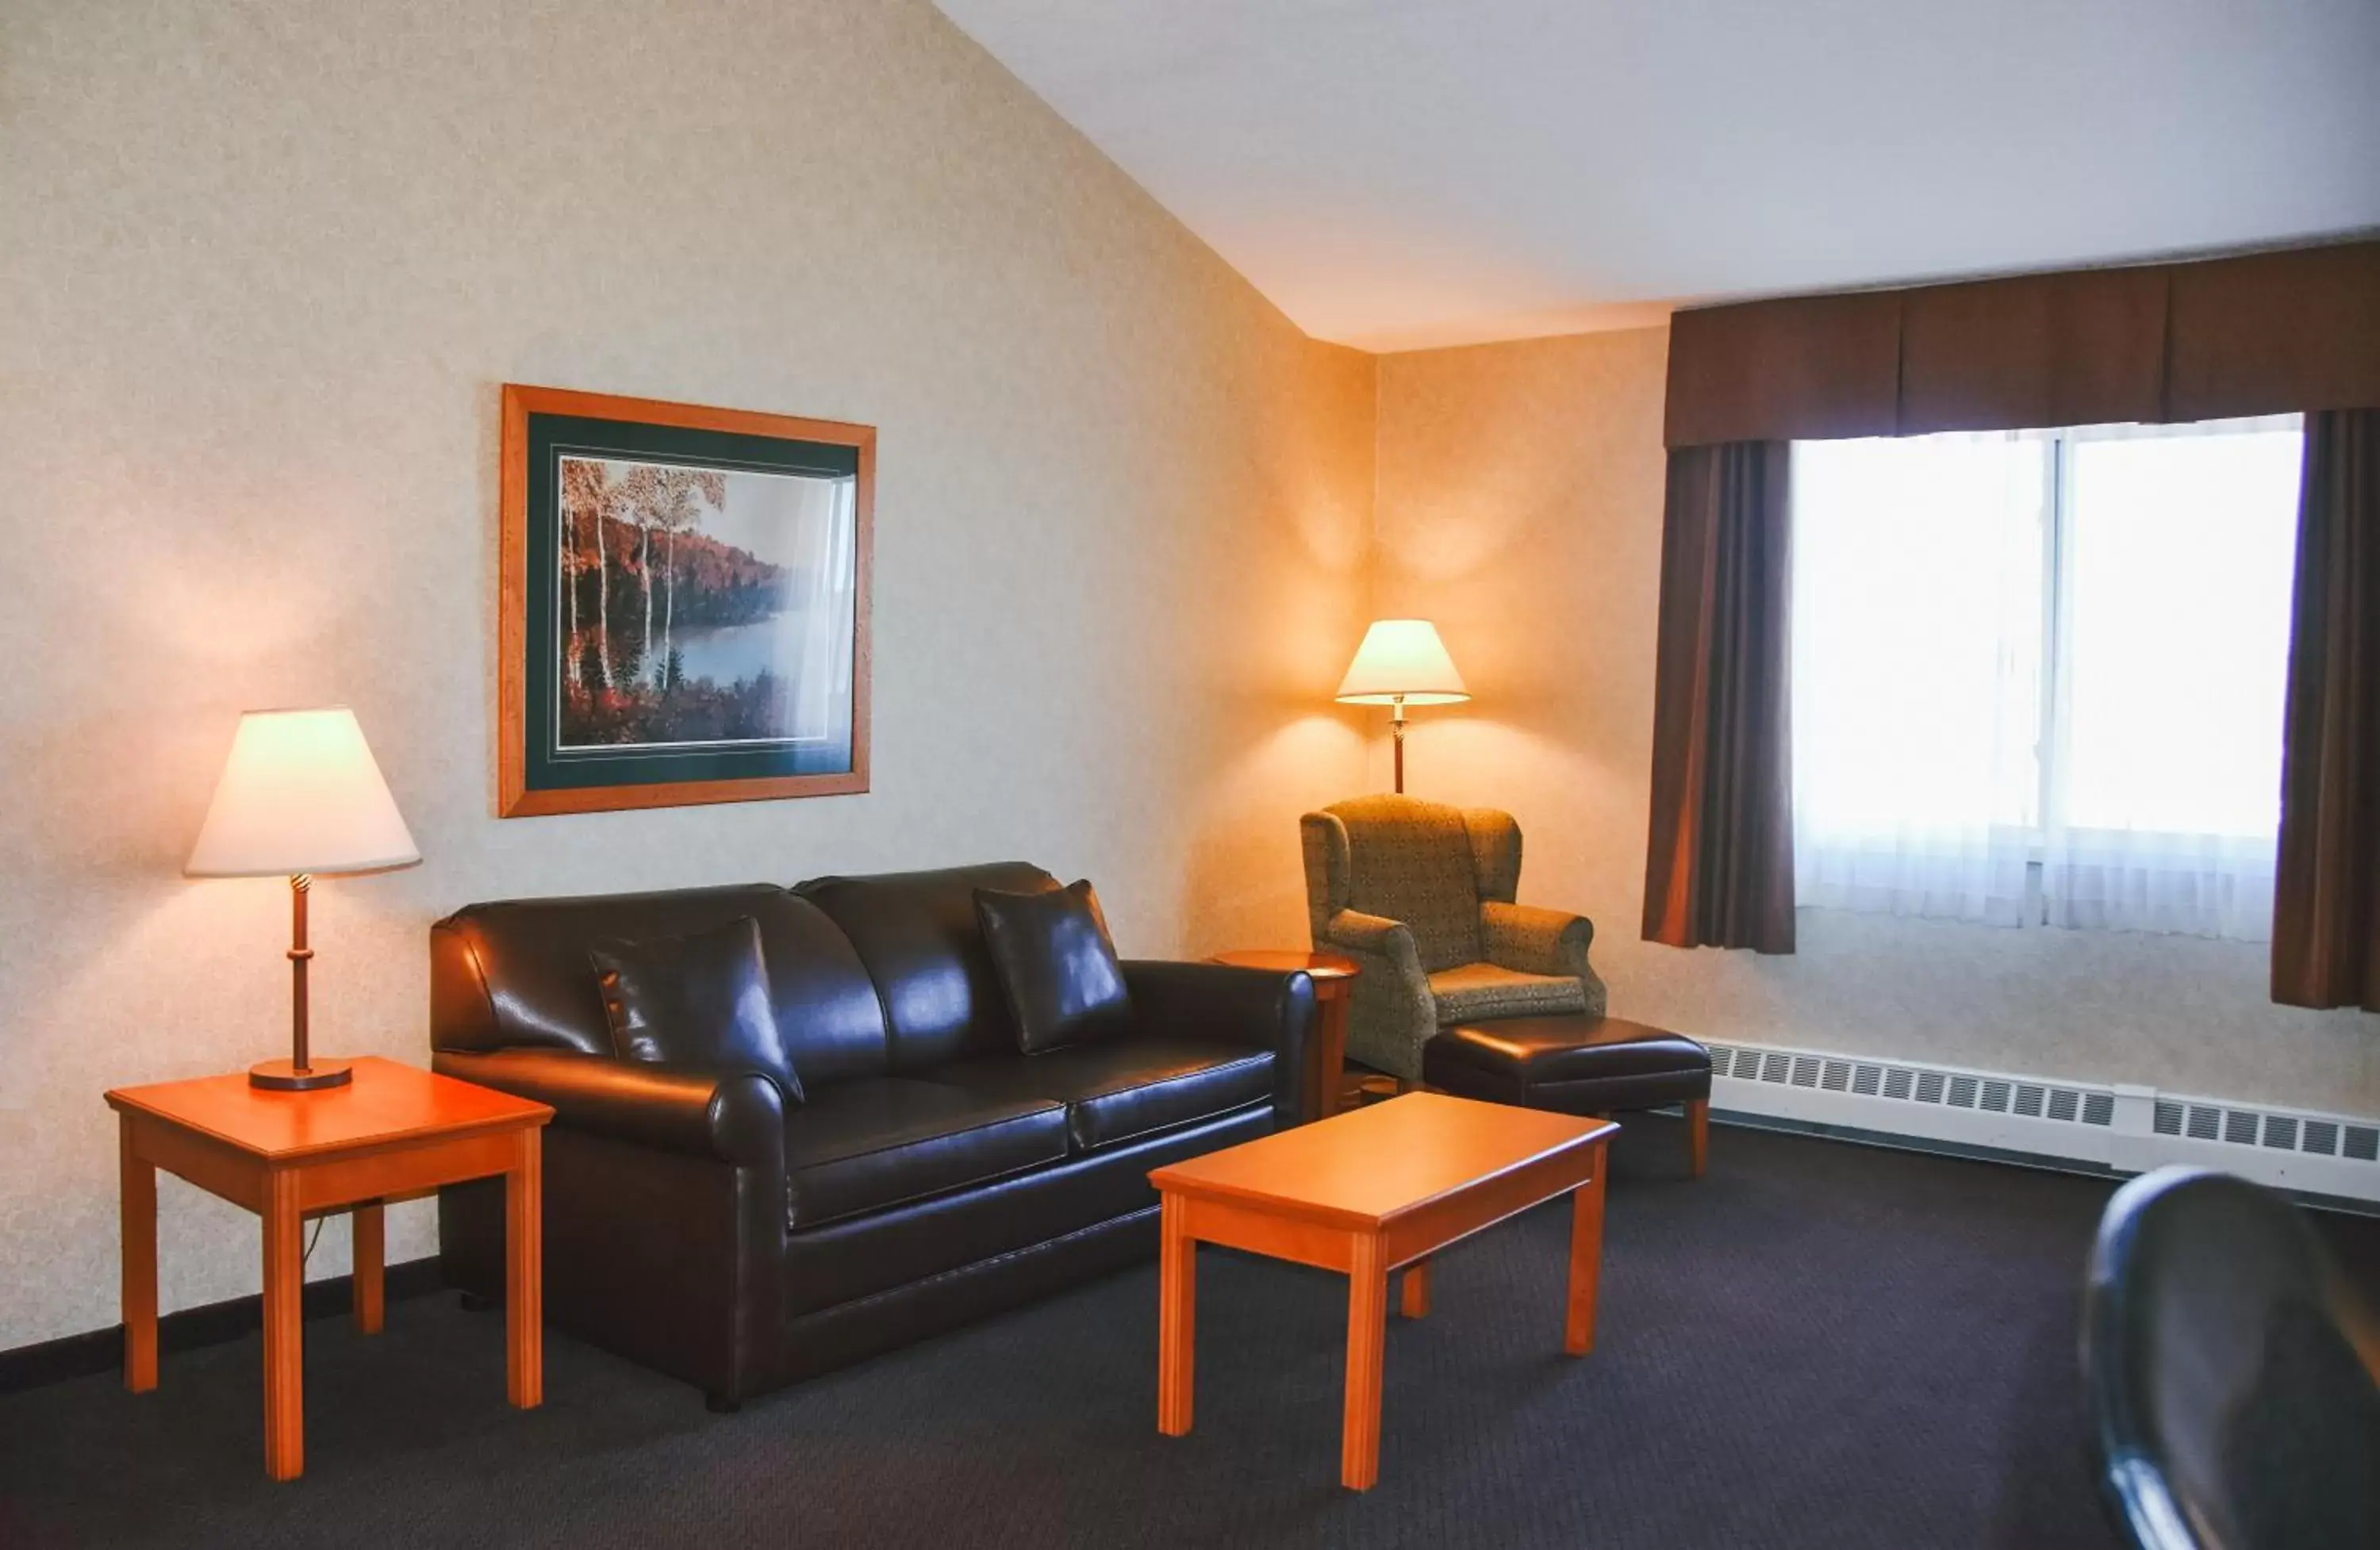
(1698, 1134)
(285, 1332)
(1367, 1321)
(371, 1258)
(1177, 1317)
(524, 1274)
(1585, 1257)
(1413, 1299)
(1330, 1054)
(137, 1183)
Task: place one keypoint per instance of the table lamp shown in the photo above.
(1401, 662)
(300, 796)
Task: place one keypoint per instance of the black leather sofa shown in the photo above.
(699, 1223)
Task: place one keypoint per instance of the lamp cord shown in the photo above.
(308, 1253)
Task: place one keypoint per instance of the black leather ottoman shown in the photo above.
(1575, 1065)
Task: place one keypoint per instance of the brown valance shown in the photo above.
(2265, 334)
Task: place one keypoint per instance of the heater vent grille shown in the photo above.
(1892, 1081)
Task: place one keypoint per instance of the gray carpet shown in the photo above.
(1819, 1345)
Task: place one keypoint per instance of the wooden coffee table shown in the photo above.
(1364, 1193)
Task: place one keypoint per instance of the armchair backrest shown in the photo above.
(1426, 864)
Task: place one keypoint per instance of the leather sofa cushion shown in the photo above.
(918, 934)
(1057, 966)
(860, 1257)
(700, 1002)
(515, 972)
(1549, 1049)
(1123, 1088)
(865, 1145)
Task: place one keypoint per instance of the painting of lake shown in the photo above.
(701, 606)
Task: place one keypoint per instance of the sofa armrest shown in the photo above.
(737, 1119)
(1535, 940)
(1252, 1007)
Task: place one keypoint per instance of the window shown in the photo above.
(2038, 676)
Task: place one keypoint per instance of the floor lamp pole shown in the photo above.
(1397, 732)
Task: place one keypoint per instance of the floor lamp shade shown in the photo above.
(300, 794)
(1401, 662)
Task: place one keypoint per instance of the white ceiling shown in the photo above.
(1400, 173)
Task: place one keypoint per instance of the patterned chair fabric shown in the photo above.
(1422, 896)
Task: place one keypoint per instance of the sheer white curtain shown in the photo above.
(2038, 677)
(2177, 547)
(1917, 603)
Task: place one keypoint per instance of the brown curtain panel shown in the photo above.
(2326, 910)
(1719, 870)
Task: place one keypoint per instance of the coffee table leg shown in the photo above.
(1585, 1258)
(1413, 1299)
(1368, 1329)
(524, 1274)
(285, 1332)
(368, 1227)
(1177, 1316)
(137, 1185)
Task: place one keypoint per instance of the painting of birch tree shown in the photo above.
(701, 606)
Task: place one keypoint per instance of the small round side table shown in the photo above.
(1334, 987)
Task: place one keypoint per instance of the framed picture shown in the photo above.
(683, 608)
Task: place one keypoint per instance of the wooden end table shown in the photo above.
(392, 1133)
(1364, 1193)
(1334, 987)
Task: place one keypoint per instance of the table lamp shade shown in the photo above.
(1402, 659)
(300, 794)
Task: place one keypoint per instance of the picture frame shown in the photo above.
(683, 604)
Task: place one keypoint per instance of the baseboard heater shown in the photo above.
(2121, 1128)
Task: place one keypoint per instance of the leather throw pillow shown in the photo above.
(700, 1001)
(1056, 965)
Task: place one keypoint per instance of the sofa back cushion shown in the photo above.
(917, 933)
(517, 972)
(700, 1001)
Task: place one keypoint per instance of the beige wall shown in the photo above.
(264, 269)
(1520, 506)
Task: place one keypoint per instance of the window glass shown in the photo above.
(2179, 559)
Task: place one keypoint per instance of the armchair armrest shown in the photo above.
(1393, 1013)
(736, 1119)
(1238, 1006)
(1535, 940)
(1378, 935)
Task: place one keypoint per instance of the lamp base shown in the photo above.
(282, 1076)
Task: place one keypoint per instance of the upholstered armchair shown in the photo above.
(1421, 895)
